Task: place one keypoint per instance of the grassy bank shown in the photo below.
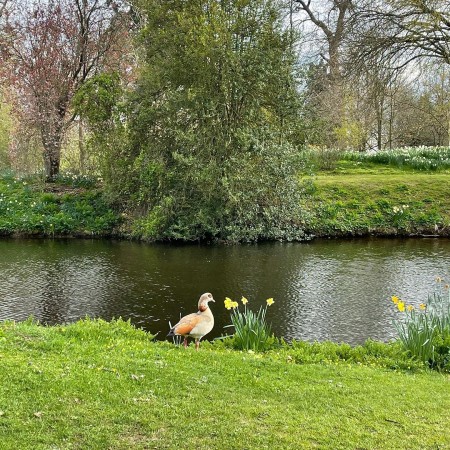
(70, 207)
(104, 385)
(355, 199)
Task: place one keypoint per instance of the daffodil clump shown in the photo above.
(252, 332)
(418, 158)
(425, 330)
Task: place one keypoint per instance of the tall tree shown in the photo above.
(57, 45)
(213, 119)
(330, 22)
(333, 20)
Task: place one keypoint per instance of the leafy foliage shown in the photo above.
(100, 103)
(97, 99)
(25, 209)
(213, 123)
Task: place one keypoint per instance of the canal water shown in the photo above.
(336, 290)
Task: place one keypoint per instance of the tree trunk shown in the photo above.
(391, 119)
(52, 159)
(81, 147)
(448, 126)
(335, 75)
(379, 128)
(51, 133)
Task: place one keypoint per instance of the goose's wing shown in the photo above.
(187, 324)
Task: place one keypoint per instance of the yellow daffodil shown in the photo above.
(422, 306)
(228, 303)
(438, 279)
(244, 300)
(270, 301)
(410, 307)
(395, 299)
(401, 306)
(446, 286)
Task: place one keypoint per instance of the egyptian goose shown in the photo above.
(196, 324)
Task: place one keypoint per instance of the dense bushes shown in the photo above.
(209, 149)
(252, 196)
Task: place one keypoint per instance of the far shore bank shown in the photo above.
(334, 205)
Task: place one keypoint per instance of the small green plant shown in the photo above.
(425, 332)
(321, 158)
(252, 332)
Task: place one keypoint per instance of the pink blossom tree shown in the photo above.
(54, 46)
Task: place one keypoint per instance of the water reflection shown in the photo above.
(337, 290)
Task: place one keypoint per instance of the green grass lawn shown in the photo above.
(98, 385)
(356, 199)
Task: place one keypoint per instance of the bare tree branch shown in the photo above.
(334, 28)
(305, 6)
(401, 31)
(3, 4)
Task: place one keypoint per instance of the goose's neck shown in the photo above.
(205, 311)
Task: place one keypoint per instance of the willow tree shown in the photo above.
(213, 121)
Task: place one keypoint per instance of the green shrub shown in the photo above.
(211, 149)
(25, 209)
(322, 158)
(250, 197)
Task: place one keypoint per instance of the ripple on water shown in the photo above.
(336, 290)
